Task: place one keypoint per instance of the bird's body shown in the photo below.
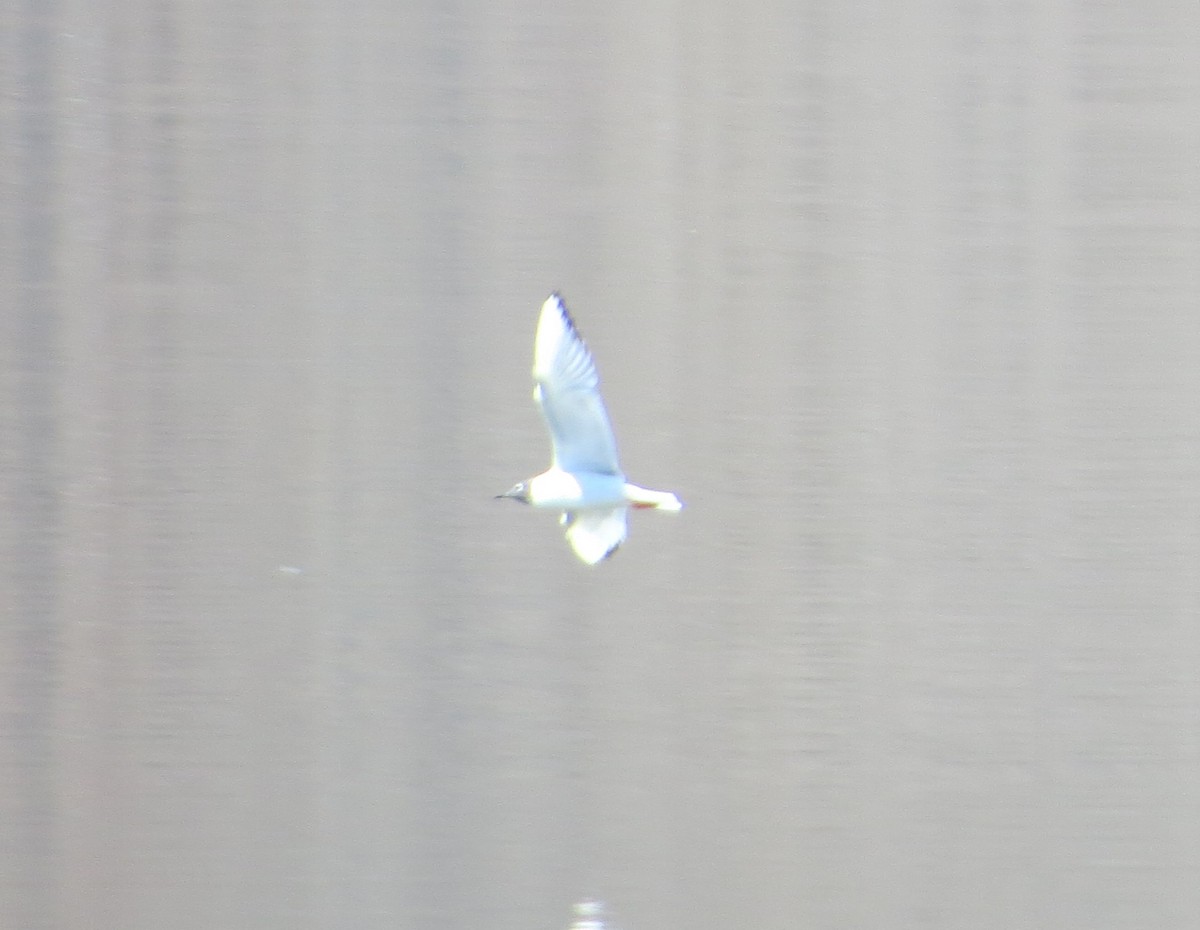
(555, 489)
(584, 480)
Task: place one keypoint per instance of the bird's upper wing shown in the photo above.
(567, 390)
(596, 534)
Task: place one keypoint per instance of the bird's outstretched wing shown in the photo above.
(567, 389)
(596, 534)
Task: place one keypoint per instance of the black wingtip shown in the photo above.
(557, 295)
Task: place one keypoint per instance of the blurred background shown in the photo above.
(902, 299)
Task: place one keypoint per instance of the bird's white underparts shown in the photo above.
(584, 480)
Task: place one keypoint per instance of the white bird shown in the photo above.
(584, 479)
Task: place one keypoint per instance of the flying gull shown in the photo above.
(584, 479)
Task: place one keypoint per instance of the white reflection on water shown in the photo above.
(589, 915)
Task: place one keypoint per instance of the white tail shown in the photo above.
(645, 498)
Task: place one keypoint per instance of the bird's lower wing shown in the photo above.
(596, 534)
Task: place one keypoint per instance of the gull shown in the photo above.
(584, 479)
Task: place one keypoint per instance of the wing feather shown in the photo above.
(596, 534)
(567, 389)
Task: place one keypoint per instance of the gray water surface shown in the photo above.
(903, 301)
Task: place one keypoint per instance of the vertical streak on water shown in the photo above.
(34, 568)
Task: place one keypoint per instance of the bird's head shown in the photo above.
(519, 491)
